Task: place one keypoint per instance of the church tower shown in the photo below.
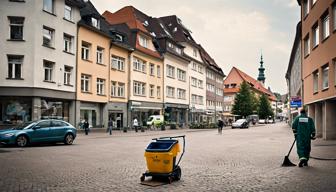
(261, 76)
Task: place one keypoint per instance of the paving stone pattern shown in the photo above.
(237, 160)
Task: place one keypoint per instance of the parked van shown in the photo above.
(155, 119)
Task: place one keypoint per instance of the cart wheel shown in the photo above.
(170, 179)
(142, 178)
(178, 173)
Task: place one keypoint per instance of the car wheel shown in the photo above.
(68, 139)
(178, 173)
(22, 141)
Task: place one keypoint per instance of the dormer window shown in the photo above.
(119, 38)
(170, 45)
(178, 50)
(143, 41)
(95, 23)
(195, 52)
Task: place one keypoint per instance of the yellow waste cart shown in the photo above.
(161, 155)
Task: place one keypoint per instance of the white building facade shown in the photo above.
(38, 47)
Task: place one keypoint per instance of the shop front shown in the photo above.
(117, 113)
(93, 113)
(176, 113)
(143, 110)
(15, 110)
(196, 115)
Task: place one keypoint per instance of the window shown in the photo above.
(85, 51)
(195, 52)
(67, 75)
(68, 43)
(178, 50)
(143, 41)
(325, 27)
(85, 83)
(139, 65)
(228, 98)
(121, 90)
(219, 80)
(68, 12)
(118, 38)
(210, 87)
(200, 100)
(158, 68)
(48, 70)
(158, 91)
(113, 88)
(305, 8)
(16, 28)
(100, 86)
(306, 46)
(193, 99)
(200, 84)
(151, 90)
(315, 79)
(118, 63)
(170, 71)
(170, 92)
(200, 69)
(95, 23)
(15, 66)
(48, 6)
(181, 75)
(152, 69)
(210, 75)
(181, 94)
(325, 77)
(316, 36)
(48, 36)
(219, 92)
(314, 1)
(194, 66)
(194, 82)
(139, 88)
(100, 56)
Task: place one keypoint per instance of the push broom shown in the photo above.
(287, 162)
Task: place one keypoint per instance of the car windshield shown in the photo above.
(150, 118)
(240, 120)
(24, 125)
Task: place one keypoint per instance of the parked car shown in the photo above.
(42, 131)
(155, 120)
(271, 121)
(240, 123)
(262, 121)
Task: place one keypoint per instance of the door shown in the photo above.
(41, 132)
(57, 130)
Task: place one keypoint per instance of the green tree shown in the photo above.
(243, 105)
(264, 109)
(255, 103)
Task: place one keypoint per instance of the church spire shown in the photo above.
(261, 76)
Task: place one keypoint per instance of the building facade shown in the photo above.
(146, 66)
(38, 46)
(93, 68)
(293, 75)
(319, 64)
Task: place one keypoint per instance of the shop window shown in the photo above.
(15, 110)
(54, 109)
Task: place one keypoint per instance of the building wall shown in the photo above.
(146, 78)
(295, 76)
(174, 82)
(31, 47)
(90, 67)
(213, 96)
(323, 54)
(119, 76)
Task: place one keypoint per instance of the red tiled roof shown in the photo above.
(231, 90)
(134, 20)
(256, 85)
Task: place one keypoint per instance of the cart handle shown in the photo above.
(180, 136)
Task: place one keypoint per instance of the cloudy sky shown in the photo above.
(233, 32)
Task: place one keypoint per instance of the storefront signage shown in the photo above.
(296, 102)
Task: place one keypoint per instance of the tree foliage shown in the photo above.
(264, 109)
(243, 104)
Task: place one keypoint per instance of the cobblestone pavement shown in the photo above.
(237, 160)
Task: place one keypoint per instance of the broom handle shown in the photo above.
(290, 150)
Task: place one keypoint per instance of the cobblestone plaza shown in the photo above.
(238, 160)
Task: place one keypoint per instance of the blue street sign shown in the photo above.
(297, 103)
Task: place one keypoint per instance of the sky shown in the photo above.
(234, 33)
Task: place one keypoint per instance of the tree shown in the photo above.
(243, 105)
(264, 109)
(255, 103)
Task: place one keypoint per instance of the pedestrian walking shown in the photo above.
(220, 126)
(135, 124)
(110, 125)
(86, 127)
(304, 131)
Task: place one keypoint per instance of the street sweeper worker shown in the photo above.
(304, 130)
